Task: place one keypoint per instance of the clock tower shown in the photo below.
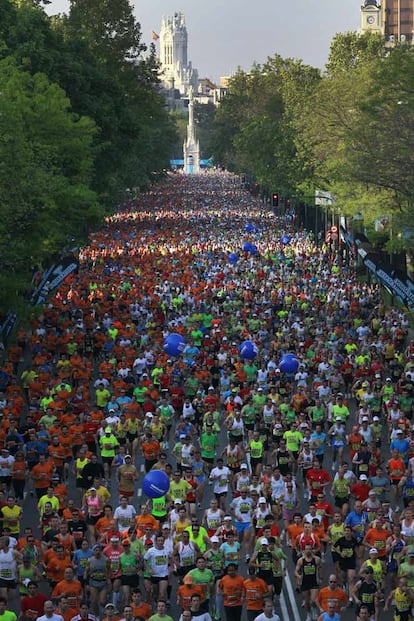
(371, 20)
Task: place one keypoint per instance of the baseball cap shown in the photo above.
(264, 541)
(243, 466)
(108, 429)
(97, 546)
(373, 551)
(149, 415)
(262, 499)
(375, 418)
(128, 456)
(214, 539)
(109, 606)
(165, 526)
(227, 517)
(400, 431)
(114, 538)
(372, 492)
(411, 553)
(388, 379)
(338, 418)
(126, 542)
(91, 489)
(177, 501)
(363, 477)
(365, 419)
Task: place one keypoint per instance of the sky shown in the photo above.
(226, 34)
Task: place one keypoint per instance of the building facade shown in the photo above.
(398, 20)
(393, 19)
(177, 72)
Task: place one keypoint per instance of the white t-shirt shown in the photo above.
(262, 617)
(124, 515)
(158, 561)
(220, 476)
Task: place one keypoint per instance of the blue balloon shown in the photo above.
(233, 257)
(285, 240)
(248, 350)
(289, 364)
(253, 249)
(246, 246)
(156, 484)
(249, 227)
(174, 344)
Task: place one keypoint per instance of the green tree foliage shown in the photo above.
(46, 155)
(254, 125)
(82, 121)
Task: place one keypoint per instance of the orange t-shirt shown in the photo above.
(376, 537)
(185, 593)
(337, 596)
(73, 591)
(55, 569)
(144, 610)
(293, 532)
(255, 593)
(42, 473)
(233, 590)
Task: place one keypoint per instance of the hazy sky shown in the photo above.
(225, 34)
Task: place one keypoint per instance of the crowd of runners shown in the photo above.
(307, 475)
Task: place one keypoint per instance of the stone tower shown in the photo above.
(371, 17)
(177, 72)
(191, 146)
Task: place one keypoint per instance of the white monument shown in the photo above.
(177, 72)
(191, 145)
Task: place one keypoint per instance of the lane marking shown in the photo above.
(292, 598)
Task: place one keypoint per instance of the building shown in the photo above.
(393, 19)
(371, 17)
(177, 72)
(398, 20)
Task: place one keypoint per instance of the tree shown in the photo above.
(46, 155)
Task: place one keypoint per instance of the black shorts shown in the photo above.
(132, 436)
(157, 579)
(336, 557)
(7, 584)
(340, 502)
(309, 585)
(255, 461)
(277, 582)
(108, 460)
(92, 519)
(347, 563)
(249, 426)
(208, 460)
(132, 581)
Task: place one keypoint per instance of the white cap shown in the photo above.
(338, 418)
(149, 415)
(363, 477)
(214, 539)
(388, 379)
(177, 501)
(264, 541)
(375, 418)
(227, 517)
(262, 499)
(243, 466)
(365, 419)
(373, 551)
